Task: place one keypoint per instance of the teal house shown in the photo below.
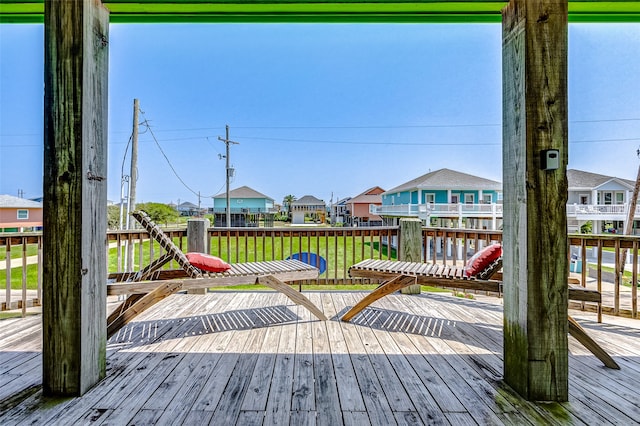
(243, 200)
(446, 198)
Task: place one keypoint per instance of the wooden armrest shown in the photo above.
(584, 294)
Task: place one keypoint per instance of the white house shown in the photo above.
(602, 200)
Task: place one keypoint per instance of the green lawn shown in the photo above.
(16, 252)
(16, 278)
(626, 275)
(340, 252)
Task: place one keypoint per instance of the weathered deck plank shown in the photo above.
(256, 358)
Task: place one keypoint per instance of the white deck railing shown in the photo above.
(574, 211)
(600, 211)
(439, 210)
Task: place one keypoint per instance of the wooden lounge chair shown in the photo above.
(396, 275)
(150, 285)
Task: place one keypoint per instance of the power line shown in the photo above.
(345, 142)
(391, 126)
(342, 142)
(148, 126)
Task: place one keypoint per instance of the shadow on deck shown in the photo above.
(254, 358)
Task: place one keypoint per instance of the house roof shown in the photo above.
(187, 205)
(366, 199)
(579, 179)
(343, 201)
(243, 192)
(374, 190)
(448, 179)
(11, 202)
(308, 200)
(370, 196)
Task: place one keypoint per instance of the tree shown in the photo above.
(158, 212)
(113, 217)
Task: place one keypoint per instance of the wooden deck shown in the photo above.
(252, 358)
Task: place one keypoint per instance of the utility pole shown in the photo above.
(133, 175)
(229, 172)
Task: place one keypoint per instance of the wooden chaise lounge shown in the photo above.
(396, 275)
(150, 285)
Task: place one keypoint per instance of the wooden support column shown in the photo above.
(197, 241)
(410, 247)
(535, 222)
(75, 196)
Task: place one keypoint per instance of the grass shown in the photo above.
(16, 278)
(32, 250)
(15, 314)
(340, 252)
(626, 275)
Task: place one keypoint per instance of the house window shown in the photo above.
(430, 198)
(619, 197)
(23, 214)
(469, 198)
(584, 199)
(608, 197)
(455, 198)
(487, 198)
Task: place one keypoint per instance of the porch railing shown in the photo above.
(438, 210)
(592, 257)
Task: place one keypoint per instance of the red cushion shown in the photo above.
(482, 259)
(206, 262)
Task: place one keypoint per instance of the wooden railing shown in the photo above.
(20, 250)
(593, 257)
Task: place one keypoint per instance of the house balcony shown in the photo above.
(424, 211)
(580, 212)
(604, 212)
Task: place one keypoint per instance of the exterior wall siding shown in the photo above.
(9, 218)
(243, 203)
(441, 197)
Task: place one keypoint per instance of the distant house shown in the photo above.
(446, 198)
(340, 211)
(360, 208)
(243, 200)
(600, 199)
(308, 206)
(188, 209)
(19, 214)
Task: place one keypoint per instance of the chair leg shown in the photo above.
(297, 297)
(386, 288)
(141, 304)
(581, 336)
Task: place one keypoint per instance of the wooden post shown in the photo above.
(75, 196)
(197, 242)
(410, 247)
(535, 221)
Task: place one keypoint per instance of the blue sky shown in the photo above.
(317, 109)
